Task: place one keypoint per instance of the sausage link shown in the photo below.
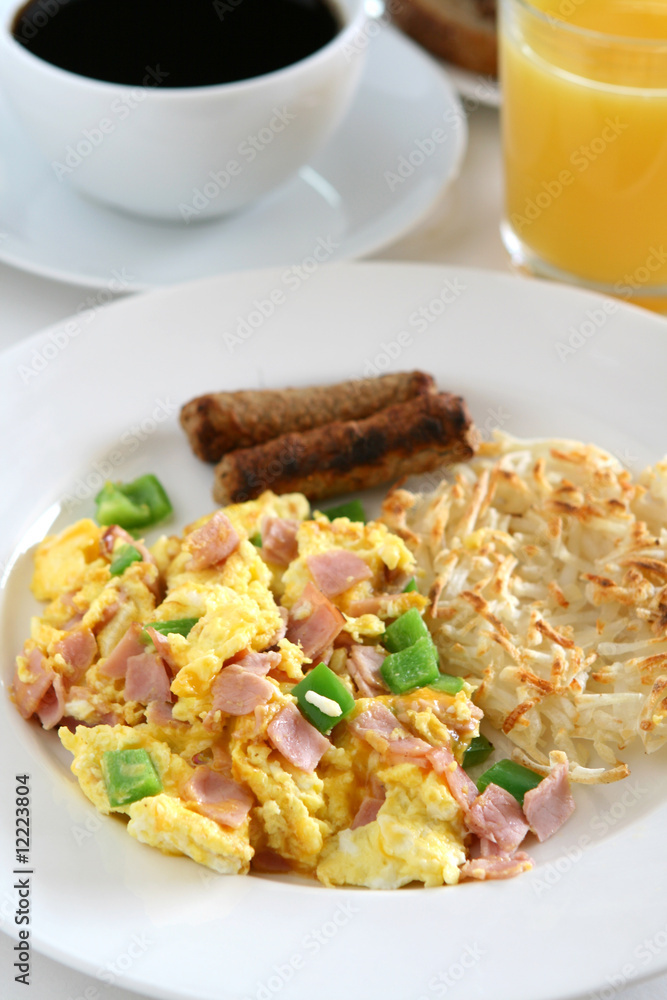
(222, 421)
(408, 438)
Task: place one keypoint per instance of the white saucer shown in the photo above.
(475, 87)
(349, 201)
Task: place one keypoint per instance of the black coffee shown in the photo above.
(174, 43)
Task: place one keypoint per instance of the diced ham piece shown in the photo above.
(146, 679)
(367, 812)
(217, 797)
(222, 760)
(237, 691)
(109, 611)
(294, 737)
(462, 787)
(269, 861)
(115, 664)
(377, 719)
(487, 849)
(325, 655)
(73, 621)
(99, 714)
(282, 629)
(480, 847)
(259, 663)
(161, 643)
(279, 543)
(115, 533)
(343, 641)
(550, 804)
(52, 706)
(371, 605)
(363, 666)
(314, 622)
(502, 866)
(78, 649)
(212, 543)
(394, 739)
(376, 789)
(28, 695)
(68, 599)
(160, 713)
(337, 570)
(497, 816)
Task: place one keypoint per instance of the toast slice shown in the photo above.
(461, 31)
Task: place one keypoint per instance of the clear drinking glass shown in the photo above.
(584, 122)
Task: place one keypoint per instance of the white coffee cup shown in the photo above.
(183, 153)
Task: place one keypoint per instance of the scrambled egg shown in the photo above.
(417, 836)
(294, 818)
(161, 820)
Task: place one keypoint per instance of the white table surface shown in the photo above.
(462, 230)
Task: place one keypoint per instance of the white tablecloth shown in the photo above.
(462, 229)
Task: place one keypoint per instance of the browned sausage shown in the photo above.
(222, 421)
(408, 438)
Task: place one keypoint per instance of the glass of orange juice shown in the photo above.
(584, 123)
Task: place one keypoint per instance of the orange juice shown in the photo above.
(585, 140)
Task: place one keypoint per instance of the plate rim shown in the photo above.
(118, 308)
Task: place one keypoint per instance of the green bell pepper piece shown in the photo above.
(513, 777)
(405, 631)
(354, 510)
(180, 626)
(447, 683)
(138, 504)
(323, 681)
(477, 752)
(129, 775)
(412, 667)
(123, 557)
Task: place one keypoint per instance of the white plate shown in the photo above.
(343, 204)
(78, 405)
